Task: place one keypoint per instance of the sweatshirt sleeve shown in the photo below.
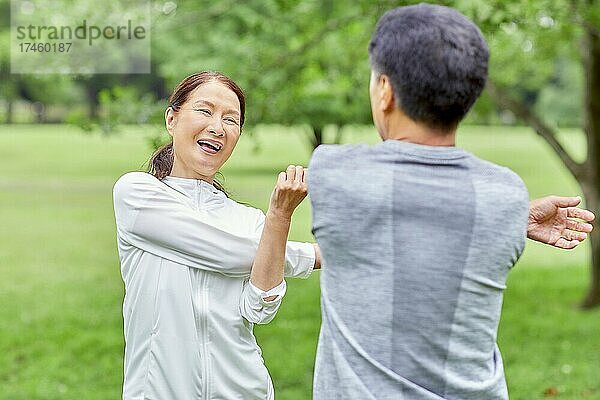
(150, 218)
(300, 257)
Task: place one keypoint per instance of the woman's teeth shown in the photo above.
(208, 145)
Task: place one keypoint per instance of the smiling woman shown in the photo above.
(190, 110)
(199, 268)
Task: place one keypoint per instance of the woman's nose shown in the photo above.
(218, 133)
(216, 128)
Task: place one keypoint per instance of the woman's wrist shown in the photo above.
(279, 215)
(317, 256)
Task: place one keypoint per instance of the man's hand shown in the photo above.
(553, 220)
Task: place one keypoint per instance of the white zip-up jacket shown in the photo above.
(186, 251)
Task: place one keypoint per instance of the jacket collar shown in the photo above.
(202, 193)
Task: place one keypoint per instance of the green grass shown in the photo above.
(61, 290)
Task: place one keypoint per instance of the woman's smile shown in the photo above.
(205, 130)
(210, 146)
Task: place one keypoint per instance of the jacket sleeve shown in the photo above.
(299, 256)
(299, 260)
(150, 218)
(254, 307)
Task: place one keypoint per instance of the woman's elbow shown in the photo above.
(259, 307)
(259, 316)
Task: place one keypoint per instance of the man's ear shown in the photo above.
(170, 119)
(386, 93)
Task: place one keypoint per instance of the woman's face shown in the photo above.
(205, 131)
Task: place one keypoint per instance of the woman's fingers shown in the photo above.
(296, 174)
(299, 174)
(289, 191)
(281, 178)
(290, 173)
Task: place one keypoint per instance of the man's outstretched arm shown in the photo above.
(557, 221)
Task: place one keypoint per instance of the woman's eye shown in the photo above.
(231, 121)
(203, 111)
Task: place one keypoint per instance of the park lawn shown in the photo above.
(61, 291)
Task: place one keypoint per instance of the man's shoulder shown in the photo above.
(489, 169)
(503, 178)
(334, 153)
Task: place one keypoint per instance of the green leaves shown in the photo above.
(306, 62)
(296, 60)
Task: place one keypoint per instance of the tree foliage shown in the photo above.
(301, 63)
(531, 41)
(305, 63)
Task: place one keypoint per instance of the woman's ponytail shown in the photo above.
(161, 162)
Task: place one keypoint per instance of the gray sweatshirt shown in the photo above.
(417, 242)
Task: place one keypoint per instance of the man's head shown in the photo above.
(428, 61)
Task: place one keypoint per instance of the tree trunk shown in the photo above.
(317, 136)
(39, 110)
(9, 111)
(588, 173)
(92, 99)
(591, 182)
(338, 134)
(592, 195)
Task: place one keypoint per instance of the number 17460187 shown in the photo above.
(45, 47)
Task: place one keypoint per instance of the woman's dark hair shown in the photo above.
(161, 162)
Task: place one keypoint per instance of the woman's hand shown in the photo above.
(289, 192)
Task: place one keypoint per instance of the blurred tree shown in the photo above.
(39, 90)
(305, 63)
(560, 100)
(530, 40)
(301, 63)
(8, 90)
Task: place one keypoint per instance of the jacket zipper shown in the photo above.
(203, 318)
(205, 360)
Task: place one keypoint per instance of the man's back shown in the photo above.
(417, 242)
